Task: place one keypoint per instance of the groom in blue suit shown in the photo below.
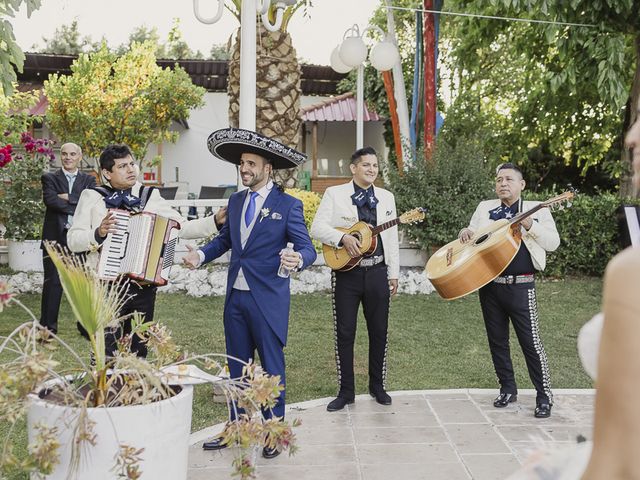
(261, 220)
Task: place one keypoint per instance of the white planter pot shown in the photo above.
(25, 256)
(161, 428)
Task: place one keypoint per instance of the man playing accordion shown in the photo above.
(94, 220)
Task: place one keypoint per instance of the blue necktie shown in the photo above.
(251, 209)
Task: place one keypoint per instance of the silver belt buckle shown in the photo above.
(371, 261)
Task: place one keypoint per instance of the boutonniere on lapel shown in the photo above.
(276, 216)
(389, 213)
(264, 213)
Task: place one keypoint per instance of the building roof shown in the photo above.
(210, 74)
(341, 108)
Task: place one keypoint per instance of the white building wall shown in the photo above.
(197, 167)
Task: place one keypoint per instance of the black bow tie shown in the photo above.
(501, 212)
(364, 197)
(122, 199)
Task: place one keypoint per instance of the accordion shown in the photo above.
(142, 248)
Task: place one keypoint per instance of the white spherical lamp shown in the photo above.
(384, 55)
(337, 63)
(353, 51)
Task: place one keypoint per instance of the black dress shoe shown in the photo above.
(381, 397)
(338, 404)
(505, 399)
(543, 410)
(214, 444)
(270, 453)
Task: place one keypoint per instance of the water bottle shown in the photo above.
(283, 271)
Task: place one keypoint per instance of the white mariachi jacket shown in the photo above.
(337, 210)
(91, 210)
(541, 238)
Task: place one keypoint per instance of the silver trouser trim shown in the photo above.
(335, 327)
(537, 342)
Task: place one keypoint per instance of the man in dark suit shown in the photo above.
(261, 220)
(60, 192)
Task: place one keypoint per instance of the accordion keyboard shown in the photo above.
(114, 247)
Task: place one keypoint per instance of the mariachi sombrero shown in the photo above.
(230, 143)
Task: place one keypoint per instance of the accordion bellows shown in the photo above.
(142, 248)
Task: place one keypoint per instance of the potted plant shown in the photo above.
(21, 206)
(119, 417)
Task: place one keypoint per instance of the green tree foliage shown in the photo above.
(219, 51)
(144, 34)
(535, 84)
(14, 114)
(176, 47)
(67, 40)
(550, 97)
(11, 56)
(128, 99)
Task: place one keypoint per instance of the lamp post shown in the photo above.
(352, 53)
(248, 24)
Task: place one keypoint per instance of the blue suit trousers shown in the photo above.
(246, 330)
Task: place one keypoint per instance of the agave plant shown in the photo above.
(27, 368)
(278, 77)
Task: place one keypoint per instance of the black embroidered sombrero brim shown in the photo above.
(229, 144)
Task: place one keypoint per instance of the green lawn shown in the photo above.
(433, 343)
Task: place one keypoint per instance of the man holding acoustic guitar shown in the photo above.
(371, 278)
(512, 294)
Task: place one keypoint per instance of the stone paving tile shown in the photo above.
(211, 474)
(408, 471)
(406, 441)
(569, 433)
(446, 395)
(314, 455)
(348, 471)
(476, 438)
(524, 433)
(523, 450)
(400, 419)
(409, 403)
(406, 453)
(457, 411)
(369, 435)
(322, 420)
(491, 467)
(198, 458)
(323, 436)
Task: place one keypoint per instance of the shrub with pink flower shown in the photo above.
(21, 206)
(5, 155)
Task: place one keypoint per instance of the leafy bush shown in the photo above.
(450, 187)
(310, 203)
(21, 207)
(588, 233)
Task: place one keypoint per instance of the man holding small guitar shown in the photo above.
(371, 282)
(512, 295)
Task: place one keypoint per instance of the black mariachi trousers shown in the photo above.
(517, 302)
(369, 286)
(142, 299)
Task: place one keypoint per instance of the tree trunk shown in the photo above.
(626, 186)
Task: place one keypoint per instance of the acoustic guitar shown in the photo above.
(337, 257)
(458, 269)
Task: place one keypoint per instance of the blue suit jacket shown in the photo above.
(260, 258)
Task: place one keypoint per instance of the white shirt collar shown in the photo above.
(264, 191)
(70, 174)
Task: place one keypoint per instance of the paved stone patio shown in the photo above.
(431, 434)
